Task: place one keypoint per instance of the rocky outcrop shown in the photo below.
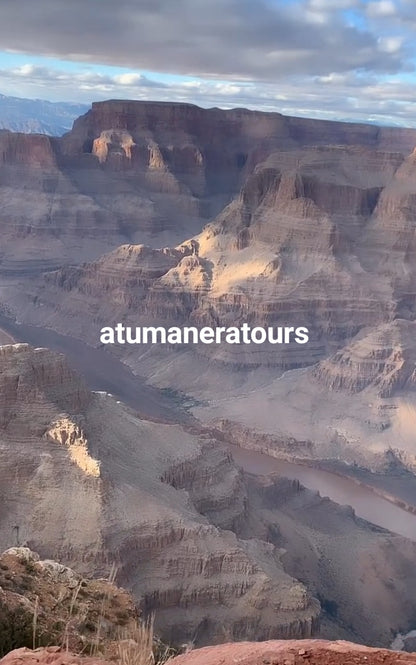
(274, 445)
(293, 652)
(44, 603)
(69, 433)
(31, 381)
(315, 652)
(27, 150)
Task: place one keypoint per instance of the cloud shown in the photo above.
(391, 44)
(381, 8)
(227, 39)
(69, 83)
(339, 59)
(346, 96)
(333, 5)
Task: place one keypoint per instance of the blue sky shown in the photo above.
(338, 59)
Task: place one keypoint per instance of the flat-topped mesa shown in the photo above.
(231, 124)
(207, 150)
(155, 173)
(175, 117)
(132, 115)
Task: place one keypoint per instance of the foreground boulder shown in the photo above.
(293, 652)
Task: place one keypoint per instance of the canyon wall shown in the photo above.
(86, 482)
(215, 554)
(167, 214)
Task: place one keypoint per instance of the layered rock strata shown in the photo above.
(84, 481)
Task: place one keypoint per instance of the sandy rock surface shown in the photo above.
(293, 652)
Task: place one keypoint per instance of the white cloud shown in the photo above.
(128, 78)
(381, 8)
(391, 44)
(332, 5)
(347, 96)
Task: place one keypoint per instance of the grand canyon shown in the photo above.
(243, 492)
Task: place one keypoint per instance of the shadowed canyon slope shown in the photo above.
(213, 552)
(90, 484)
(163, 214)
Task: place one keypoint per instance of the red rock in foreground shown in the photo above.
(47, 656)
(292, 652)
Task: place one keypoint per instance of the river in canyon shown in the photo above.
(102, 371)
(342, 490)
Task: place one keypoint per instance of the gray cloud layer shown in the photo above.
(347, 59)
(237, 39)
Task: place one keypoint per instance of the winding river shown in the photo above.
(342, 490)
(102, 371)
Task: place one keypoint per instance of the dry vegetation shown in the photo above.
(86, 617)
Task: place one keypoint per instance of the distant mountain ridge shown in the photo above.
(38, 116)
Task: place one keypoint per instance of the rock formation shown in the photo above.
(213, 553)
(84, 481)
(317, 234)
(288, 652)
(167, 214)
(145, 172)
(292, 652)
(44, 603)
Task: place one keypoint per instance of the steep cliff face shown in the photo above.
(88, 483)
(28, 387)
(26, 150)
(338, 556)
